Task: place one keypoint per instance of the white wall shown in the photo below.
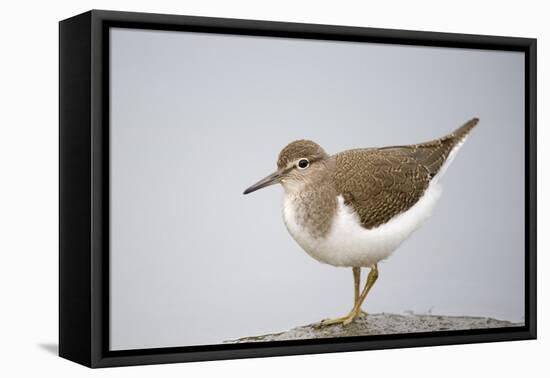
(28, 186)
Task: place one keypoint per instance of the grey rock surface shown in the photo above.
(383, 324)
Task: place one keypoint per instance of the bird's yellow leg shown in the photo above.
(356, 310)
(356, 284)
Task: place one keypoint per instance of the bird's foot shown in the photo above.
(344, 320)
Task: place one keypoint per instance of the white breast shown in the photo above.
(348, 243)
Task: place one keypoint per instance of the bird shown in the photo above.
(355, 208)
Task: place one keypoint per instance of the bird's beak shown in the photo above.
(273, 178)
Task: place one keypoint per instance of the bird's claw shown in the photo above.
(344, 320)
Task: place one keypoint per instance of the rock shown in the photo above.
(383, 324)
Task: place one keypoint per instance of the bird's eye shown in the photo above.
(303, 163)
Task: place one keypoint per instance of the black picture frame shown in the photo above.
(84, 183)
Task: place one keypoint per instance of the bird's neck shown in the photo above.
(313, 204)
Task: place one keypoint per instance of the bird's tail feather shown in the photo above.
(455, 141)
(462, 132)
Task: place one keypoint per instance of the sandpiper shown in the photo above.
(354, 208)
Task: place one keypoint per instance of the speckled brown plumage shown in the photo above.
(380, 183)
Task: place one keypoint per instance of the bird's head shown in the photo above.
(297, 163)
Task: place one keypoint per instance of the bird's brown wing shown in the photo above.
(380, 183)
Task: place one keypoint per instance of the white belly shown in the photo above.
(348, 243)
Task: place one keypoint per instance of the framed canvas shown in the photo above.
(165, 121)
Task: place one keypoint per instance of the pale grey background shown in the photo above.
(196, 118)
